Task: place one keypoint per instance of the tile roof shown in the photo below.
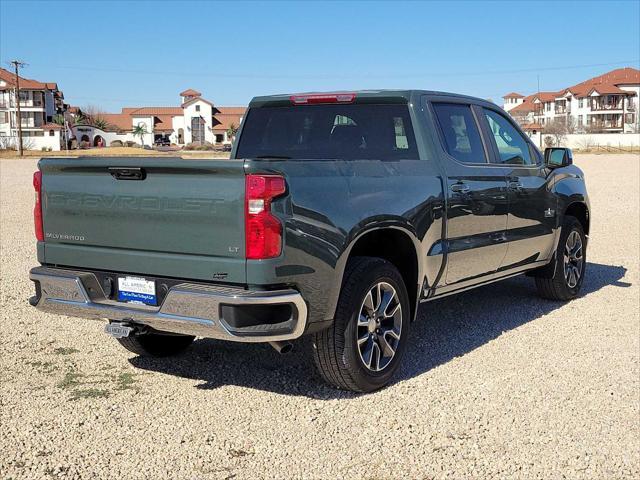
(117, 121)
(513, 95)
(231, 110)
(149, 111)
(547, 96)
(190, 92)
(525, 107)
(51, 126)
(223, 117)
(25, 83)
(608, 81)
(607, 89)
(163, 123)
(195, 99)
(619, 76)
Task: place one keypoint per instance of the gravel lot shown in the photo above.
(496, 382)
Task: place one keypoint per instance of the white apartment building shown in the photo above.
(196, 120)
(604, 104)
(39, 102)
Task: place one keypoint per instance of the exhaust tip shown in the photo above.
(282, 347)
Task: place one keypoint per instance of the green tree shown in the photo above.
(100, 122)
(140, 131)
(231, 131)
(58, 119)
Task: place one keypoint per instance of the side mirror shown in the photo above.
(558, 157)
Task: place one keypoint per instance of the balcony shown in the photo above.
(23, 104)
(31, 123)
(31, 103)
(608, 102)
(607, 123)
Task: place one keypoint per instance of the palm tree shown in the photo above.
(140, 131)
(100, 122)
(231, 131)
(58, 119)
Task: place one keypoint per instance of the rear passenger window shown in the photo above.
(460, 132)
(512, 147)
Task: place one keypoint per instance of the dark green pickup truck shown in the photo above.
(337, 214)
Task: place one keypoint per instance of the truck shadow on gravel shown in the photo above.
(445, 329)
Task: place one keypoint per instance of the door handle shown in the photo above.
(499, 237)
(128, 173)
(459, 188)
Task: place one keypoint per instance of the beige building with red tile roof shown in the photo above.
(195, 120)
(40, 102)
(606, 103)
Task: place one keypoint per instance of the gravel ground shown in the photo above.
(496, 382)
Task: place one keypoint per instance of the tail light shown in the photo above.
(37, 209)
(263, 231)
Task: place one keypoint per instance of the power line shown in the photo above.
(343, 76)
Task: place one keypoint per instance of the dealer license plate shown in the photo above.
(137, 289)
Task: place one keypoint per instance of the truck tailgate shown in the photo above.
(183, 218)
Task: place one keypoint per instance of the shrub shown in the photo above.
(129, 143)
(85, 144)
(116, 143)
(199, 147)
(7, 143)
(44, 149)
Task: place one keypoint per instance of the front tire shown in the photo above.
(155, 344)
(363, 348)
(571, 262)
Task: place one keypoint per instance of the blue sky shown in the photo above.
(115, 54)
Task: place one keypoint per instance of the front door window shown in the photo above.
(197, 130)
(512, 147)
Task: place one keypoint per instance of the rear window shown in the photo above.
(346, 132)
(460, 132)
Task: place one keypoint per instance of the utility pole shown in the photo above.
(542, 110)
(18, 64)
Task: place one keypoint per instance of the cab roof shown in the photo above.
(359, 96)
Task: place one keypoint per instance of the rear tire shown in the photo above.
(363, 347)
(156, 345)
(570, 264)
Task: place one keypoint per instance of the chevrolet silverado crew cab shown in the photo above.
(336, 216)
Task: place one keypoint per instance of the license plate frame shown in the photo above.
(134, 289)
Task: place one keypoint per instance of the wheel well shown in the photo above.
(579, 211)
(395, 247)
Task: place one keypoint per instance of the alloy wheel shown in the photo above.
(379, 327)
(573, 259)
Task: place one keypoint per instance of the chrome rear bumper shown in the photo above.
(190, 309)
